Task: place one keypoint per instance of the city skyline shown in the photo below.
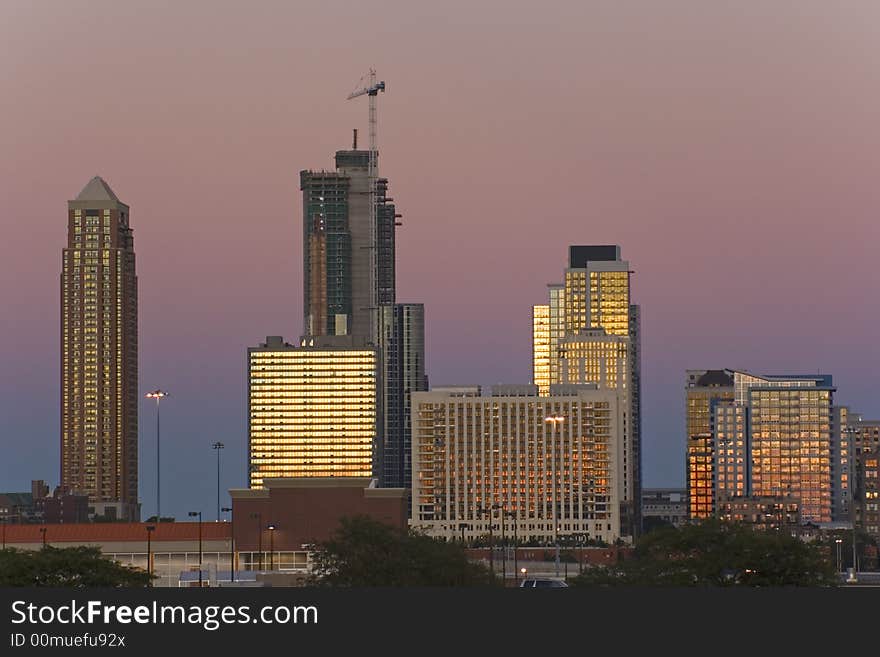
(757, 234)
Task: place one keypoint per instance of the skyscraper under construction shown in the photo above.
(338, 284)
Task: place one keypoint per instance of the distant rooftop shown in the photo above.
(97, 189)
(580, 255)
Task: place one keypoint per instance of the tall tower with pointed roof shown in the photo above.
(99, 354)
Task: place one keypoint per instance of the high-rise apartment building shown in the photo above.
(865, 445)
(704, 389)
(312, 408)
(540, 467)
(773, 439)
(591, 322)
(99, 354)
(402, 337)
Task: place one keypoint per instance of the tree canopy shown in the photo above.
(365, 552)
(714, 553)
(66, 567)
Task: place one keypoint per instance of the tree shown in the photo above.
(713, 553)
(66, 567)
(365, 552)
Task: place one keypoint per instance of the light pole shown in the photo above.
(150, 529)
(3, 520)
(462, 526)
(512, 516)
(851, 455)
(193, 514)
(259, 518)
(158, 395)
(503, 548)
(227, 509)
(217, 447)
(483, 510)
(271, 527)
(839, 542)
(555, 420)
(43, 532)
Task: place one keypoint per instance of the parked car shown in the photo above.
(543, 584)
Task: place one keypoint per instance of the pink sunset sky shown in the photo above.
(731, 149)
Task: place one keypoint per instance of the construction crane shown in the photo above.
(371, 90)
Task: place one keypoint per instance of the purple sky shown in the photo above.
(731, 149)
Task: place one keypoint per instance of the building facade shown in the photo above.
(540, 467)
(402, 349)
(773, 439)
(703, 390)
(338, 245)
(664, 506)
(312, 408)
(591, 320)
(99, 354)
(865, 444)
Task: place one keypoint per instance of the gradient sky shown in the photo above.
(731, 149)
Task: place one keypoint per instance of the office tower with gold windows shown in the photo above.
(99, 354)
(312, 408)
(515, 463)
(703, 390)
(592, 322)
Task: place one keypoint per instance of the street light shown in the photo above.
(482, 511)
(851, 455)
(555, 420)
(227, 509)
(150, 529)
(259, 518)
(839, 542)
(193, 514)
(217, 447)
(271, 527)
(43, 532)
(158, 395)
(512, 516)
(462, 526)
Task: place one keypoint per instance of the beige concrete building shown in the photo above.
(517, 463)
(590, 333)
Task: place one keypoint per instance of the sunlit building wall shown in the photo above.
(790, 430)
(596, 297)
(541, 348)
(546, 479)
(556, 320)
(99, 354)
(312, 408)
(703, 389)
(731, 450)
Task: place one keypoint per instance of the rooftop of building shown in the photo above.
(113, 532)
